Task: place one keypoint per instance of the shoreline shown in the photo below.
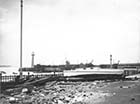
(97, 92)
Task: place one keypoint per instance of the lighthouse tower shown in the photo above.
(110, 61)
(32, 63)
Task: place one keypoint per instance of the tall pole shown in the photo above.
(21, 32)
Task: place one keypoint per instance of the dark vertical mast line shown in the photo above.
(21, 27)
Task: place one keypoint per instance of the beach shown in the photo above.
(125, 92)
(92, 92)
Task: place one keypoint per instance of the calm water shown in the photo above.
(10, 70)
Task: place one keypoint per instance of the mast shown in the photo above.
(21, 32)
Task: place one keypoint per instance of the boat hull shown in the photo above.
(94, 74)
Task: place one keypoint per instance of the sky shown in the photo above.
(74, 30)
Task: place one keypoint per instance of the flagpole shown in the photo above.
(21, 32)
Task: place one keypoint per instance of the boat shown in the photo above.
(93, 74)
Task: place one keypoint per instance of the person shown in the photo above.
(17, 78)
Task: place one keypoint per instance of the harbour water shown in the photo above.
(9, 70)
(12, 71)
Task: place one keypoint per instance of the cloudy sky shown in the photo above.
(76, 30)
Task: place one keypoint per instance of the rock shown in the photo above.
(24, 90)
(62, 90)
(67, 98)
(41, 94)
(132, 99)
(125, 86)
(71, 96)
(57, 93)
(12, 99)
(91, 94)
(61, 97)
(4, 101)
(60, 102)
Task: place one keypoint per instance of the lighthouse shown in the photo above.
(32, 62)
(110, 61)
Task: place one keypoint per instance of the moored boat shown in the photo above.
(93, 74)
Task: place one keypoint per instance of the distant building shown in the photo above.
(129, 65)
(121, 66)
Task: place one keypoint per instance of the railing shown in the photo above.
(8, 78)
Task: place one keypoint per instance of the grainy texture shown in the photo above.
(97, 92)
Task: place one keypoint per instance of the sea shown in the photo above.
(15, 71)
(9, 70)
(12, 71)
